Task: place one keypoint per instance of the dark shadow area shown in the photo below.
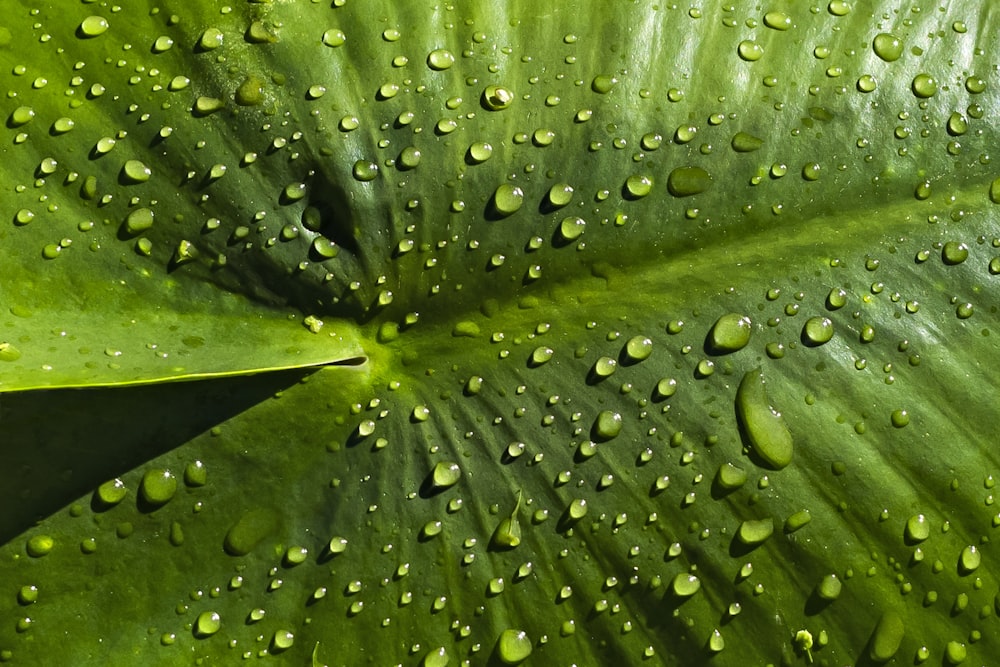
(816, 603)
(59, 445)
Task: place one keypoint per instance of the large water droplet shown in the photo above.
(92, 26)
(817, 330)
(158, 486)
(440, 59)
(685, 585)
(513, 647)
(887, 637)
(687, 181)
(924, 85)
(766, 436)
(918, 529)
(208, 623)
(730, 333)
(887, 47)
(507, 199)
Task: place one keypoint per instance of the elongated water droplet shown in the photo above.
(755, 531)
(687, 181)
(767, 437)
(887, 637)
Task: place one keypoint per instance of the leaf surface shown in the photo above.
(691, 366)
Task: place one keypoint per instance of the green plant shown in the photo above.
(482, 311)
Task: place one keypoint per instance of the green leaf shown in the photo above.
(658, 335)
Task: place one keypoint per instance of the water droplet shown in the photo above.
(969, 560)
(92, 26)
(638, 348)
(409, 158)
(436, 658)
(749, 50)
(687, 181)
(282, 641)
(918, 529)
(638, 186)
(205, 106)
(334, 37)
(445, 475)
(420, 414)
(497, 98)
(513, 647)
(603, 83)
(480, 152)
(21, 116)
(777, 20)
(440, 59)
(887, 637)
(685, 585)
(40, 545)
(163, 43)
(507, 199)
(797, 521)
(135, 171)
(954, 252)
(716, 643)
(111, 493)
(250, 92)
(730, 333)
(817, 331)
(685, 134)
(208, 623)
(767, 436)
(665, 388)
(730, 477)
(249, 531)
(887, 47)
(900, 418)
(365, 170)
(63, 125)
(829, 588)
(158, 486)
(964, 310)
(753, 532)
(839, 7)
(954, 653)
(746, 143)
(607, 425)
(603, 368)
(541, 355)
(924, 85)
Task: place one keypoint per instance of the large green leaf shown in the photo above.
(693, 365)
